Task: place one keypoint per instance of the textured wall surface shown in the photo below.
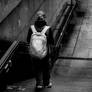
(15, 26)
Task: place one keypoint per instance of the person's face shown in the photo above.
(42, 17)
(40, 21)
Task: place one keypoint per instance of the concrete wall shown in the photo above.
(15, 26)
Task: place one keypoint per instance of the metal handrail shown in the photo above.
(8, 53)
(64, 28)
(58, 44)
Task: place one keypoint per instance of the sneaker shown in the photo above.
(49, 85)
(11, 87)
(39, 86)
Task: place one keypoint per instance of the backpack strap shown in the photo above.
(33, 29)
(45, 29)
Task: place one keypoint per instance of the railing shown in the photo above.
(65, 25)
(7, 56)
(61, 31)
(61, 23)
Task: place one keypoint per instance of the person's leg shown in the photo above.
(38, 77)
(37, 72)
(46, 73)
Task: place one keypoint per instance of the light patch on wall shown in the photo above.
(7, 32)
(23, 17)
(78, 63)
(19, 22)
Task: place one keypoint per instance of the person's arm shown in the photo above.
(51, 39)
(29, 35)
(51, 47)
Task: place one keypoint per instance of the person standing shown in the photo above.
(41, 59)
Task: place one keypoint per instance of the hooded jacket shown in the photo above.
(39, 25)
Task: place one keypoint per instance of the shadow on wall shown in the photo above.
(82, 8)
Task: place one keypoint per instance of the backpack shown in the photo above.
(38, 43)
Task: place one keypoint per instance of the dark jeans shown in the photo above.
(41, 70)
